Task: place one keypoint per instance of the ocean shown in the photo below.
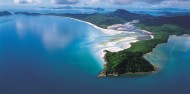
(51, 55)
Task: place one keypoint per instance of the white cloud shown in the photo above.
(65, 1)
(111, 3)
(26, 1)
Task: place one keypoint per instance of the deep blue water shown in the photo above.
(43, 55)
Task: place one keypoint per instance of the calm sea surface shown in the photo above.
(46, 55)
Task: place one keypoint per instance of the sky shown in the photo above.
(101, 3)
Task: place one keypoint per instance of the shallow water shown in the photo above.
(49, 55)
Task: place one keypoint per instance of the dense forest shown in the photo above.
(131, 60)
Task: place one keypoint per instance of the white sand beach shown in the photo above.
(106, 31)
(113, 41)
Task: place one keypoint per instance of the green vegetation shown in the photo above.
(131, 60)
(119, 16)
(101, 20)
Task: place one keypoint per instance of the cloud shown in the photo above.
(65, 1)
(132, 1)
(26, 1)
(173, 3)
(106, 3)
(149, 3)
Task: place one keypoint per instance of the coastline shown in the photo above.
(106, 31)
(113, 46)
(115, 32)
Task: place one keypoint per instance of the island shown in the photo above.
(132, 61)
(5, 13)
(71, 7)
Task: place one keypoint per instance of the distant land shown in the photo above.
(166, 13)
(69, 7)
(131, 61)
(5, 13)
(172, 9)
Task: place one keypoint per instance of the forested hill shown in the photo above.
(119, 16)
(122, 16)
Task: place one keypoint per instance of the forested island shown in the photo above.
(131, 60)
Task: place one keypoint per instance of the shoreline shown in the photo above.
(113, 47)
(115, 32)
(106, 31)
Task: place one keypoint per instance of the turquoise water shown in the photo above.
(46, 55)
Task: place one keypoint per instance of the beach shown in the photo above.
(115, 40)
(106, 31)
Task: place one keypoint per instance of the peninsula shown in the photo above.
(130, 61)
